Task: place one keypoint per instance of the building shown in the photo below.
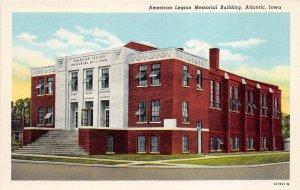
(141, 99)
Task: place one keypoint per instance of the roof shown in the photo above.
(139, 46)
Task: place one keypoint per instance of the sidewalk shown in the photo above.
(145, 164)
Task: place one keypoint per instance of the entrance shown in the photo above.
(74, 116)
(104, 113)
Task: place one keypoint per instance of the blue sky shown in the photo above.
(255, 45)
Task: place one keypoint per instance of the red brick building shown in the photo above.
(174, 103)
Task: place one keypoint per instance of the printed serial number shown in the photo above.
(281, 183)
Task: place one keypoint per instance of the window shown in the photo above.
(219, 144)
(199, 79)
(74, 81)
(185, 144)
(264, 107)
(155, 116)
(104, 78)
(17, 136)
(141, 113)
(49, 85)
(211, 94)
(264, 142)
(155, 74)
(89, 80)
(154, 144)
(185, 110)
(234, 98)
(87, 114)
(276, 110)
(185, 76)
(237, 143)
(250, 143)
(141, 144)
(218, 95)
(142, 75)
(110, 143)
(212, 143)
(231, 143)
(40, 86)
(49, 116)
(250, 102)
(41, 114)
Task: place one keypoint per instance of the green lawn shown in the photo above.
(69, 160)
(145, 157)
(240, 160)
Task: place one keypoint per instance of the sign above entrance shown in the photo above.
(88, 59)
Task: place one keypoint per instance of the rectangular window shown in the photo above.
(155, 115)
(155, 74)
(185, 112)
(110, 143)
(141, 144)
(185, 76)
(250, 142)
(212, 143)
(234, 99)
(104, 78)
(185, 144)
(264, 107)
(142, 75)
(41, 115)
(89, 80)
(199, 79)
(41, 86)
(141, 113)
(250, 102)
(49, 85)
(88, 114)
(219, 144)
(74, 81)
(49, 116)
(212, 94)
(237, 143)
(17, 136)
(264, 142)
(154, 144)
(276, 110)
(231, 143)
(218, 95)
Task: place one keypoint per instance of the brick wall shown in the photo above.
(45, 100)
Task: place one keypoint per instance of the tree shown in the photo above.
(285, 126)
(18, 106)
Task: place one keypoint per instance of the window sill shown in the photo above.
(216, 150)
(249, 113)
(234, 111)
(155, 121)
(40, 125)
(142, 86)
(141, 152)
(104, 89)
(154, 152)
(250, 149)
(186, 152)
(155, 84)
(40, 94)
(141, 122)
(186, 123)
(220, 109)
(49, 94)
(200, 89)
(49, 124)
(185, 86)
(109, 152)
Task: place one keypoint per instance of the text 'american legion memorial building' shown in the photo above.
(142, 99)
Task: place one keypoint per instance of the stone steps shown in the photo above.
(55, 143)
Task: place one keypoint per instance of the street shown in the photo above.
(46, 171)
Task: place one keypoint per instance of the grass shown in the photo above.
(240, 160)
(68, 160)
(145, 157)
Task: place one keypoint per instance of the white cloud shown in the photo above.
(55, 44)
(243, 43)
(81, 51)
(201, 48)
(109, 40)
(147, 43)
(27, 37)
